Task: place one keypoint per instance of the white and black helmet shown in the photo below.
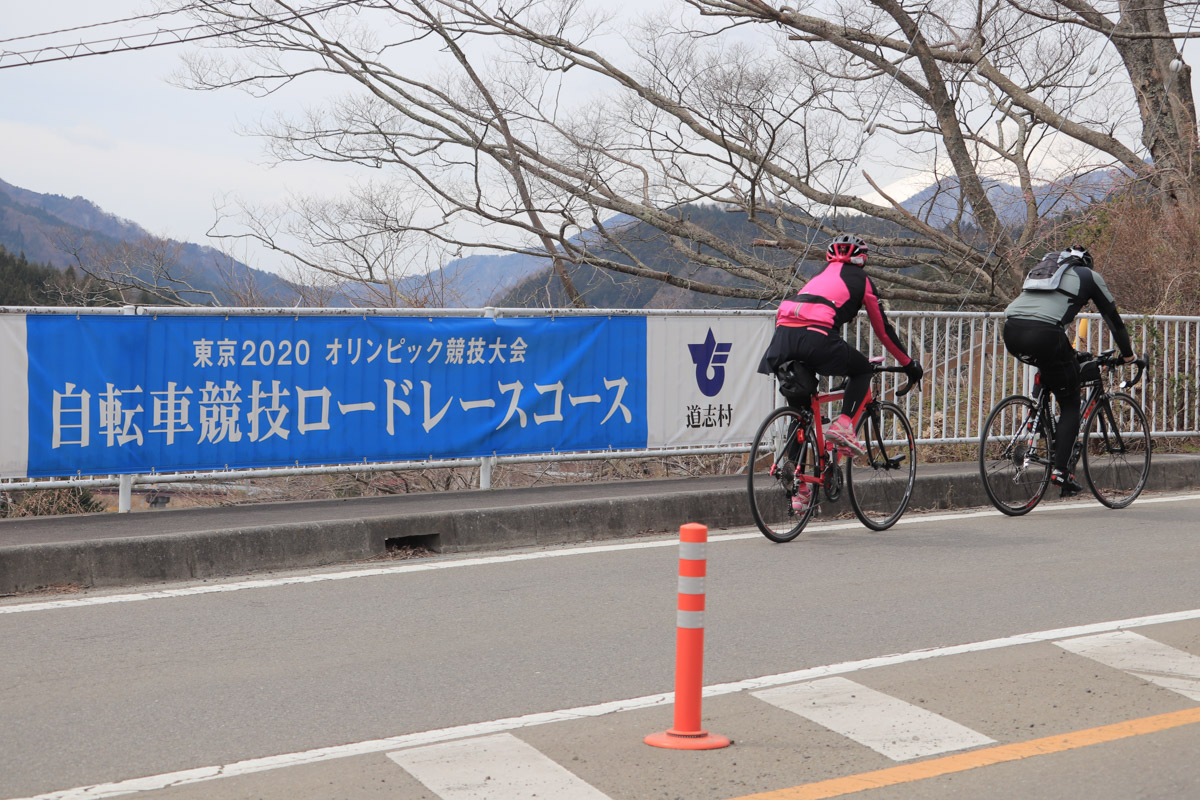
(847, 248)
(1077, 252)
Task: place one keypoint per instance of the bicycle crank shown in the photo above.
(834, 480)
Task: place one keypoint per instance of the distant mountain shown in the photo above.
(37, 225)
(479, 280)
(609, 289)
(938, 203)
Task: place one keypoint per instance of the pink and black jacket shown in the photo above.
(833, 298)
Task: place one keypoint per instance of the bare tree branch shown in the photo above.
(547, 128)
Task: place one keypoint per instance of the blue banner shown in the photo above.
(141, 394)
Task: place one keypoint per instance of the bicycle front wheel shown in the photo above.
(880, 483)
(1014, 458)
(1116, 453)
(783, 453)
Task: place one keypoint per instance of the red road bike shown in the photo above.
(790, 451)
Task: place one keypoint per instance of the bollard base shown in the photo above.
(700, 740)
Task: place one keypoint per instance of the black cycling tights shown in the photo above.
(1051, 352)
(856, 392)
(833, 355)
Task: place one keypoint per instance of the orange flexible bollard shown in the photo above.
(689, 648)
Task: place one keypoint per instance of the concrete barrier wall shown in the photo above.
(465, 522)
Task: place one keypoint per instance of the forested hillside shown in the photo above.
(23, 283)
(61, 232)
(609, 289)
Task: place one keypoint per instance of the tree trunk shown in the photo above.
(1165, 102)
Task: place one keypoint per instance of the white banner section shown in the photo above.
(14, 397)
(702, 383)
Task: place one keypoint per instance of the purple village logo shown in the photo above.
(709, 358)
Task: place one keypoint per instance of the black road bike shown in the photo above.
(1016, 448)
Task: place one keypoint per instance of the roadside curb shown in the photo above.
(463, 522)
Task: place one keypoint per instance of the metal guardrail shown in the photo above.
(967, 372)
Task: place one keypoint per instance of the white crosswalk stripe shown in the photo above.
(1152, 661)
(893, 727)
(500, 767)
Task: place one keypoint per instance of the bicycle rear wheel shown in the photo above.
(880, 483)
(783, 441)
(1116, 453)
(1015, 459)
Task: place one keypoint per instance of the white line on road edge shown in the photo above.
(425, 566)
(250, 766)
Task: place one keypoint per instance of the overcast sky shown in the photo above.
(114, 130)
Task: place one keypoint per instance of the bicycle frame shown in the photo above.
(1088, 405)
(826, 454)
(819, 423)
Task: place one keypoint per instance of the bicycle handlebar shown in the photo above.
(1109, 359)
(877, 365)
(903, 390)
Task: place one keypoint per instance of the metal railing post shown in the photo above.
(125, 495)
(125, 492)
(485, 471)
(487, 462)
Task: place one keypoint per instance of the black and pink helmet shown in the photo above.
(847, 249)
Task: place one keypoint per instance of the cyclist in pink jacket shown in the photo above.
(808, 330)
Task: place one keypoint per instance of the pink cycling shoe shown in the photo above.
(842, 434)
(801, 498)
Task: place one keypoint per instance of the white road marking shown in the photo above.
(453, 563)
(888, 725)
(499, 767)
(253, 765)
(1152, 661)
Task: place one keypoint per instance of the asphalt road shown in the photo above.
(179, 683)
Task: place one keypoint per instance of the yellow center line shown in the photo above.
(961, 762)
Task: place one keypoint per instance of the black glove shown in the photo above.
(914, 371)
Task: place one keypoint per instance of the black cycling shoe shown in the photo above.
(1065, 481)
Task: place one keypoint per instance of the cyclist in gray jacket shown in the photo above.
(1035, 332)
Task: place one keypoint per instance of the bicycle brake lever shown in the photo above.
(1141, 365)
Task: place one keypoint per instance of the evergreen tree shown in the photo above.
(27, 284)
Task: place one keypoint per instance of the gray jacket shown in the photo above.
(1079, 286)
